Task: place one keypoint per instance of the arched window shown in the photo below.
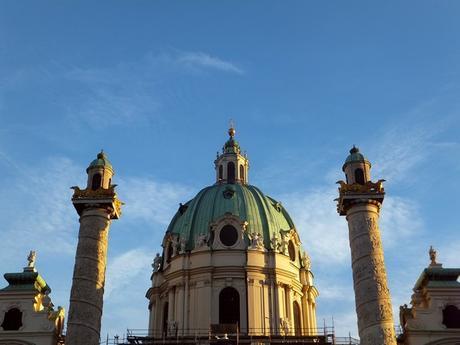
(96, 182)
(451, 316)
(291, 249)
(297, 319)
(165, 318)
(231, 172)
(12, 320)
(229, 306)
(242, 172)
(221, 172)
(359, 176)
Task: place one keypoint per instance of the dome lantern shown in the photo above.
(356, 167)
(231, 166)
(100, 172)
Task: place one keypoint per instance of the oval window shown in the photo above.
(228, 235)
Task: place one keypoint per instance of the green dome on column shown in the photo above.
(101, 161)
(262, 213)
(355, 156)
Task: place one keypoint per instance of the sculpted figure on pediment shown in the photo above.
(201, 241)
(175, 244)
(405, 314)
(182, 244)
(306, 261)
(284, 242)
(275, 243)
(157, 262)
(257, 242)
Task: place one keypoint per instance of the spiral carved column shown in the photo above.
(372, 296)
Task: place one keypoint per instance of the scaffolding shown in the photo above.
(218, 335)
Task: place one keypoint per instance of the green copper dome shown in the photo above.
(101, 161)
(263, 214)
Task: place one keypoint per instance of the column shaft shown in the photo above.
(86, 297)
(372, 296)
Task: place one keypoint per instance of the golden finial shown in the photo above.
(231, 130)
(432, 253)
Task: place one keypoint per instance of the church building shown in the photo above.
(232, 270)
(232, 256)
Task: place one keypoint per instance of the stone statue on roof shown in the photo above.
(432, 253)
(31, 259)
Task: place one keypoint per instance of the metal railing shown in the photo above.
(213, 335)
(346, 341)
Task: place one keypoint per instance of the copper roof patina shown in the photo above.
(263, 214)
(101, 161)
(355, 156)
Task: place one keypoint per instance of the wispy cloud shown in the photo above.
(323, 232)
(125, 93)
(399, 219)
(403, 146)
(204, 60)
(152, 201)
(47, 217)
(126, 268)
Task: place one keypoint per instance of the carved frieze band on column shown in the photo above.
(373, 304)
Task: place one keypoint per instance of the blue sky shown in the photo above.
(155, 84)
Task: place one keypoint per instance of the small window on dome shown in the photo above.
(231, 172)
(292, 251)
(221, 172)
(228, 235)
(359, 176)
(241, 172)
(12, 320)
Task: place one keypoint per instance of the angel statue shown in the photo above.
(156, 263)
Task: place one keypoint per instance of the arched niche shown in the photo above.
(96, 181)
(12, 320)
(297, 318)
(359, 176)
